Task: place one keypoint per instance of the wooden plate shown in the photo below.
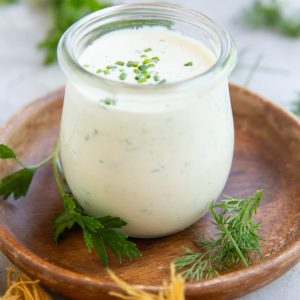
(267, 155)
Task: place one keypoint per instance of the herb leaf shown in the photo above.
(188, 64)
(101, 249)
(235, 240)
(6, 152)
(64, 14)
(97, 233)
(62, 221)
(112, 222)
(16, 183)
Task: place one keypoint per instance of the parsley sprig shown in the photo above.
(235, 240)
(99, 233)
(64, 13)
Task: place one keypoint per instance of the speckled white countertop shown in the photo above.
(23, 78)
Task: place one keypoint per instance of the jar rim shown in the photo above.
(222, 67)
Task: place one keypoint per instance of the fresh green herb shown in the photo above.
(120, 63)
(270, 14)
(143, 56)
(123, 76)
(138, 76)
(135, 64)
(256, 66)
(146, 74)
(64, 14)
(111, 67)
(155, 58)
(8, 1)
(130, 63)
(142, 68)
(235, 240)
(163, 81)
(17, 183)
(143, 79)
(188, 64)
(98, 233)
(253, 70)
(99, 71)
(296, 106)
(147, 61)
(6, 152)
(108, 101)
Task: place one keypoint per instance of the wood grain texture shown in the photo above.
(267, 155)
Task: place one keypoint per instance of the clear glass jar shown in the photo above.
(161, 154)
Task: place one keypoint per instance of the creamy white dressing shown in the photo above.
(156, 161)
(172, 48)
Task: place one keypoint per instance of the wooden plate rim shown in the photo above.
(50, 273)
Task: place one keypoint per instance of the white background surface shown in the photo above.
(23, 78)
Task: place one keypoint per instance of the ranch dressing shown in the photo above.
(155, 160)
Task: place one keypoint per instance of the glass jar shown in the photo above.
(162, 153)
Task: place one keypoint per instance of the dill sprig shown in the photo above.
(236, 239)
(270, 14)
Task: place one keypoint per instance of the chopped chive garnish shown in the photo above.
(120, 63)
(156, 78)
(142, 67)
(143, 79)
(108, 101)
(111, 67)
(147, 61)
(139, 76)
(163, 81)
(130, 63)
(123, 76)
(86, 66)
(188, 64)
